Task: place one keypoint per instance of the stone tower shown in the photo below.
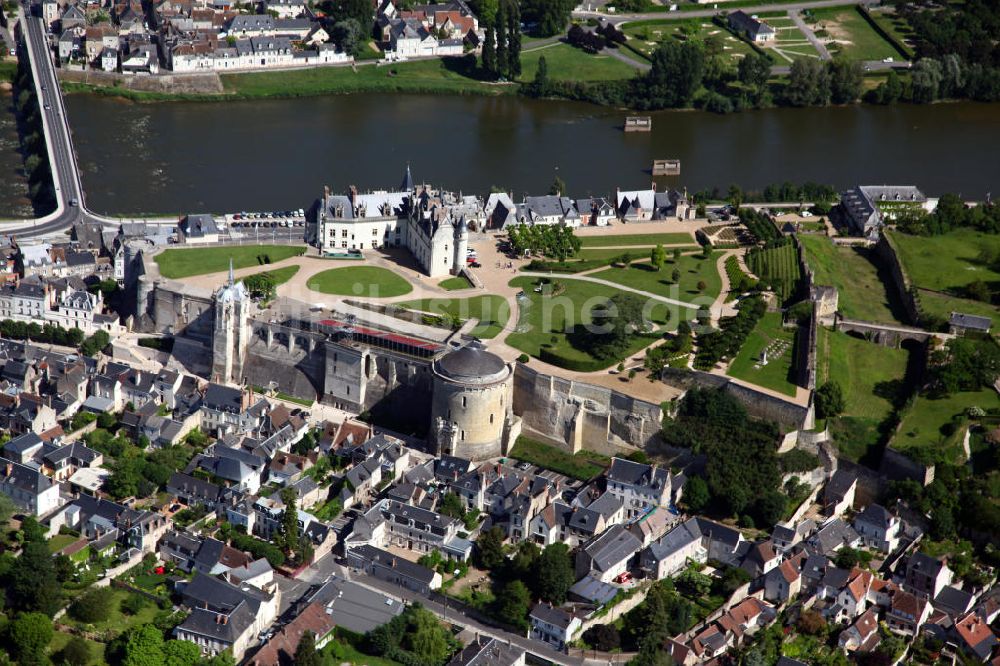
(471, 404)
(231, 334)
(461, 246)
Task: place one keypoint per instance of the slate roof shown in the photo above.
(970, 322)
(555, 616)
(613, 546)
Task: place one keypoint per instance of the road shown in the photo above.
(817, 43)
(71, 205)
(619, 19)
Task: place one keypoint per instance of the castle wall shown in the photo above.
(583, 415)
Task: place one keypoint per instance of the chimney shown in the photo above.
(9, 469)
(225, 619)
(653, 186)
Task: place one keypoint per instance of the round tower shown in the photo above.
(461, 246)
(471, 402)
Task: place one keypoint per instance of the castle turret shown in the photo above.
(461, 246)
(231, 335)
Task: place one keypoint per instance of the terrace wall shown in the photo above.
(886, 251)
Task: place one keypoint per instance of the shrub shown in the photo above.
(93, 606)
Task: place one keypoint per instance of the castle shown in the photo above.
(432, 225)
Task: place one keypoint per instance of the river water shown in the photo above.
(278, 154)
(14, 200)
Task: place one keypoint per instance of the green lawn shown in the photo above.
(948, 263)
(584, 465)
(455, 283)
(693, 267)
(567, 63)
(646, 36)
(365, 281)
(282, 275)
(60, 541)
(863, 369)
(545, 320)
(491, 311)
(627, 240)
(439, 75)
(608, 253)
(925, 428)
(777, 375)
(180, 263)
(862, 291)
(857, 39)
(60, 639)
(896, 26)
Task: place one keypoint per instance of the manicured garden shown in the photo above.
(646, 36)
(856, 38)
(583, 465)
(361, 281)
(862, 289)
(281, 275)
(551, 322)
(180, 263)
(693, 269)
(778, 373)
(492, 311)
(626, 240)
(777, 267)
(455, 283)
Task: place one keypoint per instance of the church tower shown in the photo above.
(231, 335)
(461, 246)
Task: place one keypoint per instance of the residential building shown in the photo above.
(554, 626)
(393, 569)
(926, 576)
(28, 488)
(642, 487)
(878, 528)
(609, 555)
(868, 207)
(751, 27)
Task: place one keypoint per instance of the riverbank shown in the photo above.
(439, 76)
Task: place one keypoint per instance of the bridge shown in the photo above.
(888, 335)
(71, 204)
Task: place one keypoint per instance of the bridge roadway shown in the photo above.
(71, 204)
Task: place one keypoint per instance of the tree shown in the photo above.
(696, 495)
(514, 40)
(558, 187)
(33, 585)
(811, 622)
(658, 257)
(554, 573)
(674, 77)
(181, 653)
(701, 286)
(808, 83)
(925, 80)
(613, 324)
(891, 90)
(489, 55)
(548, 16)
(540, 84)
(77, 652)
(489, 549)
(675, 275)
(846, 79)
(30, 635)
(754, 70)
(502, 46)
(427, 638)
(451, 505)
(94, 605)
(604, 637)
(829, 400)
(513, 603)
(290, 520)
(305, 653)
(348, 36)
(144, 647)
(33, 530)
(95, 343)
(735, 196)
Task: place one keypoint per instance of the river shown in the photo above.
(14, 200)
(278, 154)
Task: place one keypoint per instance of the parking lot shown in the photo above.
(266, 220)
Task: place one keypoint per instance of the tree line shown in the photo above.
(501, 56)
